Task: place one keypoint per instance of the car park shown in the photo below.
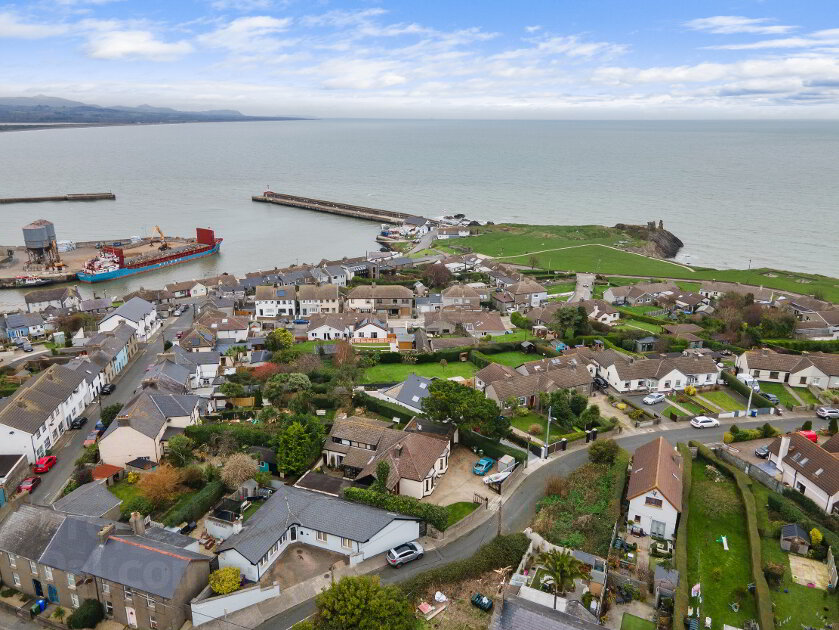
(29, 484)
(827, 412)
(403, 554)
(652, 399)
(45, 463)
(762, 451)
(704, 422)
(78, 423)
(483, 466)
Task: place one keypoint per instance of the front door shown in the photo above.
(292, 534)
(52, 594)
(39, 590)
(131, 616)
(657, 528)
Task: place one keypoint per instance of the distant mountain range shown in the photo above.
(49, 109)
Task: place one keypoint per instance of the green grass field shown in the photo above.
(395, 372)
(596, 258)
(459, 510)
(780, 391)
(640, 310)
(124, 490)
(513, 359)
(692, 407)
(631, 622)
(517, 239)
(807, 396)
(722, 400)
(634, 323)
(666, 413)
(565, 287)
(517, 335)
(716, 510)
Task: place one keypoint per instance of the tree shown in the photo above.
(816, 536)
(362, 603)
(534, 261)
(87, 615)
(563, 568)
(570, 321)
(279, 339)
(179, 450)
(466, 407)
(264, 372)
(578, 403)
(232, 390)
(109, 413)
(436, 275)
(235, 351)
(603, 451)
(238, 468)
(279, 385)
(225, 580)
(520, 321)
(382, 473)
(299, 444)
(777, 324)
(166, 345)
(160, 485)
(833, 426)
(344, 354)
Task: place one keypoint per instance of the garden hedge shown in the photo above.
(88, 615)
(435, 515)
(810, 345)
(502, 551)
(381, 407)
(762, 597)
(659, 321)
(792, 513)
(739, 387)
(245, 434)
(198, 505)
(489, 447)
(680, 556)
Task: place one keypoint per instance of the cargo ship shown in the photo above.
(112, 262)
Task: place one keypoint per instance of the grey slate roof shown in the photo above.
(134, 310)
(414, 387)
(170, 538)
(91, 499)
(517, 613)
(296, 506)
(148, 411)
(95, 304)
(7, 462)
(29, 530)
(169, 375)
(73, 543)
(22, 320)
(794, 530)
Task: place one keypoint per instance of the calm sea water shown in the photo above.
(732, 191)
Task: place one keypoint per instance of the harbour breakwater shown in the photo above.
(69, 197)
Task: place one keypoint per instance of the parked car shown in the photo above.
(91, 438)
(762, 451)
(180, 334)
(810, 435)
(652, 399)
(29, 484)
(704, 422)
(108, 388)
(601, 383)
(402, 554)
(483, 466)
(45, 463)
(184, 309)
(27, 347)
(771, 397)
(827, 412)
(78, 423)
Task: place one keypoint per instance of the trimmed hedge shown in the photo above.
(245, 434)
(680, 555)
(493, 449)
(198, 505)
(809, 345)
(659, 321)
(435, 515)
(739, 387)
(502, 551)
(743, 482)
(795, 514)
(382, 407)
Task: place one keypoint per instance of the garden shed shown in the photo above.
(795, 538)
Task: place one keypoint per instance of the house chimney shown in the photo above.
(765, 352)
(399, 449)
(138, 526)
(104, 533)
(784, 448)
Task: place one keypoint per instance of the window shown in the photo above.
(128, 593)
(71, 580)
(803, 380)
(48, 573)
(75, 599)
(106, 588)
(109, 608)
(152, 622)
(653, 502)
(637, 518)
(33, 568)
(12, 560)
(321, 536)
(773, 375)
(150, 603)
(346, 543)
(755, 372)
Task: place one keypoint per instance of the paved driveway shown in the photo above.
(638, 399)
(460, 483)
(299, 563)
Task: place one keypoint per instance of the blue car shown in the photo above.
(483, 466)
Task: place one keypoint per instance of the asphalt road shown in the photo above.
(127, 383)
(519, 508)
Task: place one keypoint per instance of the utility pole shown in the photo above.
(548, 432)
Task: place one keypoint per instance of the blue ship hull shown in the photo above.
(121, 273)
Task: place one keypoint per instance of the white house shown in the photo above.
(187, 288)
(331, 326)
(627, 374)
(295, 515)
(318, 298)
(370, 330)
(145, 424)
(818, 369)
(446, 233)
(204, 366)
(272, 302)
(808, 468)
(137, 313)
(41, 410)
(655, 489)
(62, 297)
(225, 326)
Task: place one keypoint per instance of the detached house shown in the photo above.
(223, 326)
(137, 313)
(520, 296)
(808, 468)
(276, 301)
(526, 389)
(30, 325)
(475, 323)
(819, 325)
(61, 297)
(327, 327)
(461, 296)
(318, 298)
(600, 311)
(392, 300)
(655, 489)
(641, 293)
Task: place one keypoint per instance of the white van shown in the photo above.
(749, 381)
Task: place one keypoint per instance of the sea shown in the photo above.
(738, 193)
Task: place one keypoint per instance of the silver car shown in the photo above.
(827, 412)
(402, 554)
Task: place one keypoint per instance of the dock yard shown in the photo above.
(69, 197)
(334, 207)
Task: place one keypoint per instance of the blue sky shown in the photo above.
(471, 59)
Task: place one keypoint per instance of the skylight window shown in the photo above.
(818, 472)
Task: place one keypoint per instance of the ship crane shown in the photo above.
(163, 245)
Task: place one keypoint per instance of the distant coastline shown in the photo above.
(7, 127)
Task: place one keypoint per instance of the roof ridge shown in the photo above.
(149, 548)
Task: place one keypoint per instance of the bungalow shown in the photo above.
(474, 323)
(187, 288)
(641, 293)
(819, 325)
(145, 424)
(137, 313)
(654, 491)
(627, 374)
(818, 369)
(155, 296)
(461, 296)
(296, 515)
(276, 301)
(447, 233)
(29, 325)
(685, 332)
(58, 297)
(600, 311)
(392, 300)
(96, 306)
(409, 393)
(370, 330)
(327, 327)
(526, 389)
(807, 468)
(715, 290)
(318, 298)
(491, 373)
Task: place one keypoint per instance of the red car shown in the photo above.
(29, 484)
(810, 435)
(91, 438)
(45, 463)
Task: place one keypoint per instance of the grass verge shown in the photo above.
(396, 372)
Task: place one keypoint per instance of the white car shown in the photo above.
(652, 399)
(827, 412)
(704, 422)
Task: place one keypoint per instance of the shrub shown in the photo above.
(59, 613)
(816, 536)
(132, 478)
(87, 615)
(137, 504)
(502, 551)
(603, 452)
(491, 448)
(193, 476)
(774, 573)
(196, 506)
(681, 599)
(535, 429)
(807, 426)
(436, 515)
(833, 426)
(225, 580)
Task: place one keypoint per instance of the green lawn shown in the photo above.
(793, 600)
(723, 401)
(807, 396)
(252, 508)
(309, 346)
(640, 310)
(517, 335)
(634, 323)
(565, 287)
(689, 286)
(124, 490)
(666, 413)
(513, 359)
(395, 372)
(518, 239)
(780, 391)
(182, 498)
(522, 423)
(631, 622)
(692, 407)
(716, 510)
(460, 510)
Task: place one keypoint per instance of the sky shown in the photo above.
(542, 59)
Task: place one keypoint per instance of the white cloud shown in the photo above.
(241, 5)
(134, 44)
(361, 74)
(533, 29)
(248, 34)
(729, 24)
(12, 27)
